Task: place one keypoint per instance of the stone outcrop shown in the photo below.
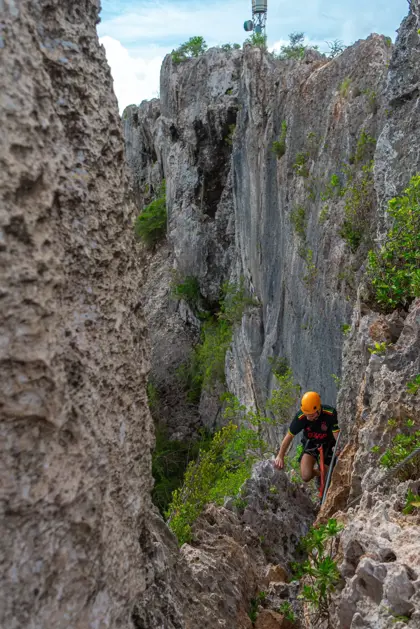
(76, 434)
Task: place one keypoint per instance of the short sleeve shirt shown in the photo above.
(321, 429)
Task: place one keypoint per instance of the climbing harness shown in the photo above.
(387, 475)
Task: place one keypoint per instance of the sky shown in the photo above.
(137, 34)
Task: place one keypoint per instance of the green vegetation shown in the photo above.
(336, 48)
(372, 100)
(388, 41)
(296, 48)
(333, 188)
(194, 47)
(206, 365)
(255, 603)
(218, 472)
(345, 328)
(402, 444)
(412, 503)
(312, 271)
(365, 147)
(300, 165)
(287, 610)
(258, 40)
(320, 572)
(228, 47)
(188, 289)
(414, 385)
(394, 270)
(344, 87)
(169, 461)
(150, 225)
(337, 380)
(231, 133)
(323, 215)
(298, 220)
(358, 203)
(378, 348)
(279, 146)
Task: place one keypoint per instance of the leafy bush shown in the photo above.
(169, 461)
(300, 165)
(345, 86)
(412, 502)
(150, 225)
(255, 603)
(279, 146)
(228, 47)
(357, 208)
(259, 40)
(394, 270)
(414, 385)
(298, 220)
(295, 48)
(336, 48)
(217, 473)
(287, 610)
(378, 348)
(320, 570)
(401, 446)
(365, 147)
(194, 47)
(188, 289)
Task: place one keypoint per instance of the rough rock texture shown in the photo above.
(76, 434)
(381, 564)
(280, 511)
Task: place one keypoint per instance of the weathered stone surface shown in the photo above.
(278, 509)
(269, 619)
(77, 542)
(275, 574)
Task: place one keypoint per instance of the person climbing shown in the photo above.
(320, 425)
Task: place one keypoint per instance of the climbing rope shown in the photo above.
(388, 474)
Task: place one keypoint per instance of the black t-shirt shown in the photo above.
(319, 430)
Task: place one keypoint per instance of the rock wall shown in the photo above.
(233, 205)
(76, 434)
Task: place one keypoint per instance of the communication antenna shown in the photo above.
(259, 17)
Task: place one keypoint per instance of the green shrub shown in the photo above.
(365, 147)
(378, 348)
(169, 461)
(298, 220)
(300, 166)
(287, 611)
(188, 290)
(259, 40)
(228, 47)
(219, 472)
(394, 270)
(279, 146)
(194, 47)
(401, 446)
(345, 328)
(414, 385)
(332, 189)
(323, 215)
(231, 133)
(255, 603)
(295, 48)
(336, 48)
(357, 208)
(412, 502)
(344, 87)
(152, 396)
(150, 225)
(320, 571)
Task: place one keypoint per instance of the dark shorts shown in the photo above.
(312, 448)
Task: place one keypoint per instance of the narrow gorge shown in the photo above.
(277, 180)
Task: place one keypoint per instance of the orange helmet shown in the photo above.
(310, 403)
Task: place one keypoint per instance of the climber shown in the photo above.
(320, 425)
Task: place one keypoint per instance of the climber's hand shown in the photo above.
(279, 462)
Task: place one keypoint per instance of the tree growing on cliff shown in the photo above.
(194, 47)
(296, 47)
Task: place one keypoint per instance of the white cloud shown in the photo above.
(135, 78)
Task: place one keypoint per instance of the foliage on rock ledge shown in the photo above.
(150, 225)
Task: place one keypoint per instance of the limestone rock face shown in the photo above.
(76, 544)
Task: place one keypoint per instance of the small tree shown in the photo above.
(296, 48)
(258, 40)
(336, 48)
(194, 47)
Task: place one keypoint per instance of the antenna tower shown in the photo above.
(259, 17)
